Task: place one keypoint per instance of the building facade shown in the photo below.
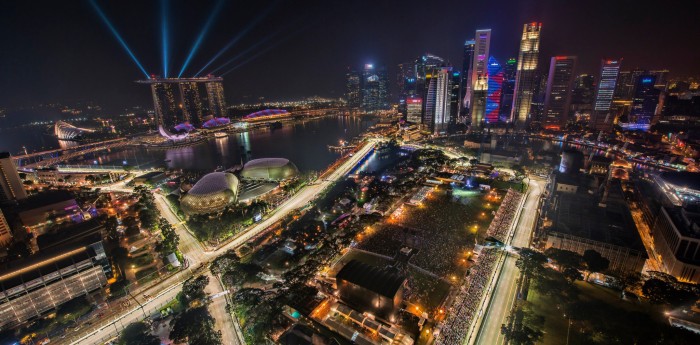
(215, 98)
(508, 88)
(601, 117)
(465, 81)
(371, 289)
(414, 109)
(676, 233)
(495, 91)
(44, 282)
(525, 75)
(353, 93)
(176, 116)
(374, 88)
(644, 104)
(11, 187)
(5, 232)
(443, 100)
(479, 76)
(557, 101)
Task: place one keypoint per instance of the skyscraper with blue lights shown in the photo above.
(494, 92)
(644, 103)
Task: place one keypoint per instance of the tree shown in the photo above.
(193, 289)
(196, 327)
(565, 258)
(225, 262)
(148, 218)
(594, 261)
(524, 336)
(530, 261)
(170, 239)
(571, 274)
(137, 333)
(111, 224)
(661, 292)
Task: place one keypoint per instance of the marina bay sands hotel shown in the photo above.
(183, 104)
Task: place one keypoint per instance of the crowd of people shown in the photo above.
(466, 303)
(435, 251)
(501, 224)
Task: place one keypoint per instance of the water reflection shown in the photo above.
(305, 144)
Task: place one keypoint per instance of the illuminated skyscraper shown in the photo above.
(406, 78)
(644, 103)
(508, 88)
(414, 109)
(601, 119)
(164, 104)
(479, 77)
(192, 108)
(374, 88)
(443, 97)
(429, 99)
(494, 92)
(455, 89)
(661, 76)
(405, 84)
(525, 75)
(557, 99)
(11, 187)
(466, 81)
(215, 96)
(424, 66)
(171, 121)
(353, 93)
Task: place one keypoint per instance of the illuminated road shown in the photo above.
(504, 294)
(217, 308)
(193, 251)
(299, 200)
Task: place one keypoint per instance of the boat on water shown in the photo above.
(220, 135)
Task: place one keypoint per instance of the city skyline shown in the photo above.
(315, 172)
(328, 34)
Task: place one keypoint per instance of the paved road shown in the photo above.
(504, 294)
(111, 326)
(194, 252)
(217, 308)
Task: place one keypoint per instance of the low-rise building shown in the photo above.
(582, 221)
(5, 231)
(42, 210)
(39, 283)
(371, 289)
(676, 232)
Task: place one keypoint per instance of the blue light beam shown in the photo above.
(203, 33)
(248, 50)
(165, 35)
(240, 35)
(270, 47)
(119, 38)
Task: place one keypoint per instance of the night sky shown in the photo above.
(60, 51)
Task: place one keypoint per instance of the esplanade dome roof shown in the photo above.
(272, 169)
(212, 193)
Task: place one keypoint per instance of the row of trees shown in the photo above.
(232, 220)
(194, 325)
(594, 321)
